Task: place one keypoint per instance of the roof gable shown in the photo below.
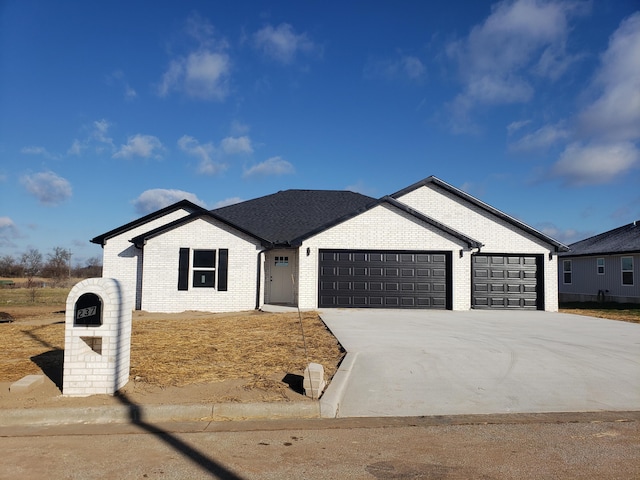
(625, 239)
(140, 240)
(483, 206)
(182, 204)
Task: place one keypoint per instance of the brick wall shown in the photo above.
(497, 235)
(160, 269)
(97, 358)
(383, 228)
(123, 261)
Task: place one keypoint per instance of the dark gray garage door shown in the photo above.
(384, 279)
(507, 281)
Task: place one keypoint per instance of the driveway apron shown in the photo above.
(426, 362)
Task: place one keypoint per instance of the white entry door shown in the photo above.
(281, 271)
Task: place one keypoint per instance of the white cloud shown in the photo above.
(236, 145)
(515, 126)
(76, 148)
(282, 43)
(271, 166)
(615, 113)
(404, 66)
(611, 122)
(204, 152)
(8, 232)
(361, 187)
(542, 138)
(35, 151)
(227, 201)
(239, 128)
(594, 163)
(144, 146)
(98, 138)
(157, 198)
(497, 56)
(563, 235)
(202, 73)
(49, 188)
(118, 78)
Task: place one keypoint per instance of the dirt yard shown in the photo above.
(191, 357)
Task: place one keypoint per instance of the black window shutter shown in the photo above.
(183, 269)
(223, 262)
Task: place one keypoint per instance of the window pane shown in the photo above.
(204, 278)
(627, 263)
(204, 258)
(627, 278)
(567, 265)
(567, 277)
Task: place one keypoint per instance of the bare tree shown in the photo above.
(58, 264)
(31, 262)
(9, 267)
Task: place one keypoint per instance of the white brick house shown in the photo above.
(427, 246)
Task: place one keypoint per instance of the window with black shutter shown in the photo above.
(202, 268)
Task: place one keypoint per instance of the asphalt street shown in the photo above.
(569, 446)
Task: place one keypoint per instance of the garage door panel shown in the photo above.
(505, 281)
(384, 279)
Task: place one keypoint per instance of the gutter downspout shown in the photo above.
(258, 277)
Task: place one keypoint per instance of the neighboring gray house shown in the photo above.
(605, 267)
(429, 245)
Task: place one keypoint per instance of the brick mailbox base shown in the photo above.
(97, 343)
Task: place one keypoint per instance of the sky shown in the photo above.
(110, 110)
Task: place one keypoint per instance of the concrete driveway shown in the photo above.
(412, 363)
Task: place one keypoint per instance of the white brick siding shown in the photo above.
(122, 260)
(497, 235)
(383, 228)
(104, 369)
(160, 269)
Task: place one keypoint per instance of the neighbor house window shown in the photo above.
(600, 266)
(627, 270)
(566, 270)
(201, 266)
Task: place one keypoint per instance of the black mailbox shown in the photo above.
(88, 310)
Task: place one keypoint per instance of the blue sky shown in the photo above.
(110, 110)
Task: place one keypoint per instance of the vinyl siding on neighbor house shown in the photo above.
(586, 284)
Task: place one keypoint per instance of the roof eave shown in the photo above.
(140, 240)
(559, 247)
(102, 239)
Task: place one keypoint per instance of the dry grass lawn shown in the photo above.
(181, 349)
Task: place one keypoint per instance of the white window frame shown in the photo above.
(199, 270)
(600, 266)
(628, 270)
(565, 272)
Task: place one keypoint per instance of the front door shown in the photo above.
(280, 276)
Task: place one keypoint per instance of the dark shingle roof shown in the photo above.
(625, 239)
(288, 215)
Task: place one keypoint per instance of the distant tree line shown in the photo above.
(56, 266)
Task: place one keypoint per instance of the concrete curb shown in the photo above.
(332, 397)
(157, 413)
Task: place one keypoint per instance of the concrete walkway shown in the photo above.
(412, 363)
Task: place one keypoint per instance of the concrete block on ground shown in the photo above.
(314, 382)
(26, 384)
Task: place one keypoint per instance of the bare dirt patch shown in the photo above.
(191, 357)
